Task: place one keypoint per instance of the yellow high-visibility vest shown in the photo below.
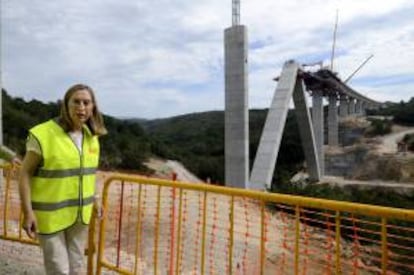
(63, 187)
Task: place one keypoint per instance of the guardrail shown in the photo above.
(154, 226)
(10, 210)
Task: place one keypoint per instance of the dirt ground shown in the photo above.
(16, 258)
(19, 259)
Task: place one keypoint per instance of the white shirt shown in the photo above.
(77, 138)
(33, 145)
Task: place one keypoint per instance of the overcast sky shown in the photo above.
(159, 58)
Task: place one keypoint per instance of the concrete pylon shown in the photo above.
(264, 163)
(343, 105)
(1, 95)
(318, 127)
(332, 120)
(236, 107)
(358, 107)
(363, 108)
(351, 106)
(306, 132)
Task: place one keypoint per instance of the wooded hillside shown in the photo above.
(197, 140)
(126, 146)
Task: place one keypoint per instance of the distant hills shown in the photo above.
(126, 147)
(196, 140)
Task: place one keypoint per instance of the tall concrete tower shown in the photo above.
(236, 102)
(1, 95)
(1, 76)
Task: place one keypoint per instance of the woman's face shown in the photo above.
(80, 106)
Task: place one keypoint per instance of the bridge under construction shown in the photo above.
(161, 226)
(292, 83)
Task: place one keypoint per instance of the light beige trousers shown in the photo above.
(63, 252)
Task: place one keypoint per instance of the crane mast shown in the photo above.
(334, 41)
(235, 12)
(357, 69)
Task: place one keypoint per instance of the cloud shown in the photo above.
(157, 59)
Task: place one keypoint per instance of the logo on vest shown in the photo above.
(93, 151)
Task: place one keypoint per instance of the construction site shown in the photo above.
(171, 222)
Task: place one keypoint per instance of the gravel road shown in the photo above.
(389, 142)
(182, 173)
(17, 258)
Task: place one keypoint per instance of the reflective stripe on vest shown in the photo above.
(47, 206)
(42, 173)
(62, 189)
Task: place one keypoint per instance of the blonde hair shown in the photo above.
(95, 123)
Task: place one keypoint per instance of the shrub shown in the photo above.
(379, 127)
(409, 140)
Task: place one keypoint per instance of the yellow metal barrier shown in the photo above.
(154, 226)
(15, 246)
(10, 210)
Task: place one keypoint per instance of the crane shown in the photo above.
(334, 40)
(357, 69)
(235, 12)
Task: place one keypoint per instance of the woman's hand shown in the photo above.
(16, 161)
(30, 225)
(30, 163)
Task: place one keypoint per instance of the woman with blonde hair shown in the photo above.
(57, 180)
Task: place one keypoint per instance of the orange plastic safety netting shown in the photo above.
(15, 247)
(152, 228)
